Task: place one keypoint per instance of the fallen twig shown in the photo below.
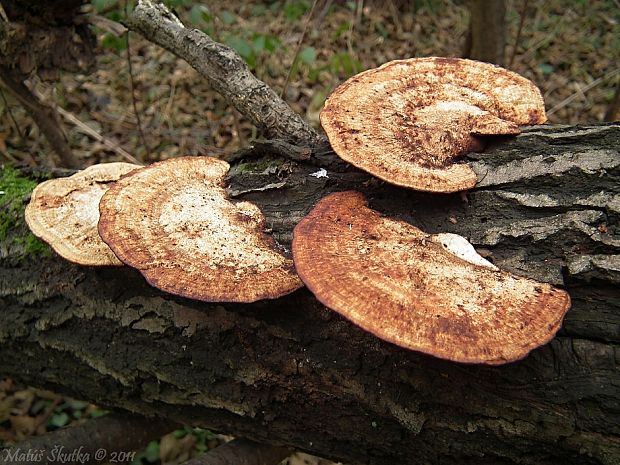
(94, 134)
(42, 116)
(580, 91)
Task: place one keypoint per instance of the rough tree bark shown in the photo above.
(291, 372)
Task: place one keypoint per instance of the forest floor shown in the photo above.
(571, 50)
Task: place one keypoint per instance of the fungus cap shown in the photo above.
(64, 213)
(408, 288)
(173, 222)
(407, 120)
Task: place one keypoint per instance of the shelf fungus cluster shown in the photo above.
(406, 121)
(172, 221)
(429, 293)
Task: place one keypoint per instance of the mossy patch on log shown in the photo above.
(17, 240)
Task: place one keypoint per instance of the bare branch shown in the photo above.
(226, 72)
(86, 129)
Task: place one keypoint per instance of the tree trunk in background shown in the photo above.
(487, 31)
(291, 372)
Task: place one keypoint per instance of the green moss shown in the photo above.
(258, 166)
(33, 246)
(14, 190)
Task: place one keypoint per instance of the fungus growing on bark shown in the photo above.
(172, 221)
(409, 288)
(64, 213)
(406, 121)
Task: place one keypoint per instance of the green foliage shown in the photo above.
(112, 42)
(14, 190)
(201, 436)
(342, 64)
(114, 11)
(243, 47)
(342, 28)
(62, 415)
(228, 18)
(176, 4)
(98, 412)
(33, 246)
(308, 55)
(294, 10)
(58, 420)
(104, 5)
(201, 17)
(432, 6)
(259, 9)
(151, 454)
(546, 68)
(253, 46)
(318, 99)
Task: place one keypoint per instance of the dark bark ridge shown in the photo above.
(293, 373)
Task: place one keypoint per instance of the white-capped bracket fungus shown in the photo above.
(406, 121)
(172, 221)
(422, 292)
(64, 213)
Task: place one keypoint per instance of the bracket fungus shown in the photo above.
(407, 120)
(64, 213)
(414, 290)
(173, 221)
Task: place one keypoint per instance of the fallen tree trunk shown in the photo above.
(291, 372)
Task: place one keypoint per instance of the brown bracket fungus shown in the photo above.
(409, 288)
(173, 221)
(406, 121)
(64, 213)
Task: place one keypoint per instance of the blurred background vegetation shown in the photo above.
(303, 49)
(570, 49)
